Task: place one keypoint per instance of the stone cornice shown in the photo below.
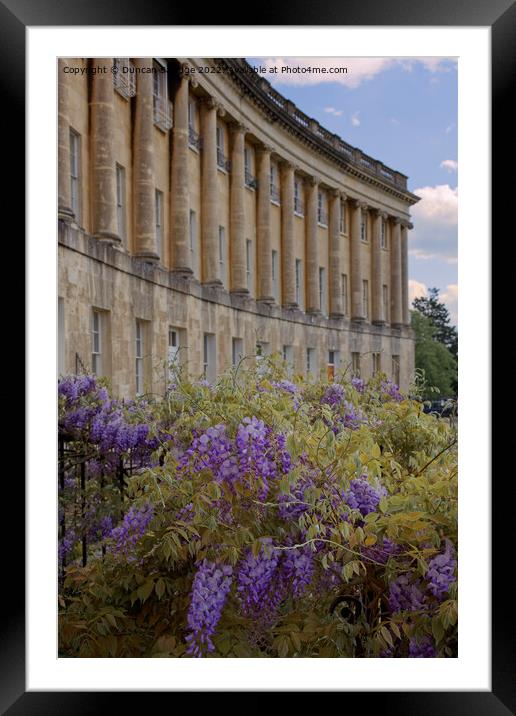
(278, 109)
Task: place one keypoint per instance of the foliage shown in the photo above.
(439, 316)
(266, 518)
(433, 359)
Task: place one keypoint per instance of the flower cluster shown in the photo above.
(255, 573)
(286, 386)
(391, 390)
(441, 571)
(423, 649)
(362, 496)
(298, 569)
(210, 588)
(405, 595)
(131, 529)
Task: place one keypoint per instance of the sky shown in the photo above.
(402, 111)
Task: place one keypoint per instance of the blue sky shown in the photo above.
(403, 112)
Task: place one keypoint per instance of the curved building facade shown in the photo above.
(204, 217)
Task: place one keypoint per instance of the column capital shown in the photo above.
(343, 196)
(185, 71)
(221, 110)
(376, 211)
(238, 127)
(358, 203)
(287, 164)
(263, 148)
(312, 180)
(396, 220)
(209, 102)
(334, 193)
(407, 224)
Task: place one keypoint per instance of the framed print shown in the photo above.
(258, 452)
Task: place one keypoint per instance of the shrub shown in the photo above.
(265, 518)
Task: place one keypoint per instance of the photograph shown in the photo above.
(257, 357)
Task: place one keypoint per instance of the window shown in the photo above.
(173, 350)
(60, 336)
(376, 363)
(209, 357)
(355, 364)
(194, 140)
(333, 363)
(365, 298)
(250, 180)
(274, 190)
(222, 254)
(75, 174)
(275, 282)
(237, 351)
(222, 160)
(322, 290)
(363, 225)
(193, 241)
(288, 357)
(298, 282)
(161, 105)
(159, 224)
(120, 202)
(383, 234)
(321, 206)
(298, 203)
(385, 298)
(124, 80)
(311, 361)
(342, 227)
(344, 290)
(139, 356)
(96, 343)
(262, 349)
(396, 369)
(249, 264)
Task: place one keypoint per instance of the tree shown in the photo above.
(438, 314)
(432, 357)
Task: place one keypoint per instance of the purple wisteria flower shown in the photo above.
(131, 529)
(441, 571)
(210, 588)
(358, 384)
(363, 496)
(424, 649)
(382, 553)
(298, 569)
(333, 394)
(255, 573)
(286, 386)
(390, 389)
(405, 595)
(67, 544)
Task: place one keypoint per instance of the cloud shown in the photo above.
(435, 224)
(355, 119)
(449, 164)
(394, 121)
(352, 71)
(449, 128)
(416, 290)
(451, 298)
(335, 112)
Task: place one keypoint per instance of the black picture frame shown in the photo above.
(500, 16)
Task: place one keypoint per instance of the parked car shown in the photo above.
(445, 407)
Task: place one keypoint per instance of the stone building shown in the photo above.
(204, 217)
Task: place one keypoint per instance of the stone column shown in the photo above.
(405, 309)
(263, 225)
(238, 276)
(396, 288)
(355, 249)
(288, 258)
(180, 255)
(311, 254)
(376, 268)
(210, 196)
(336, 308)
(103, 172)
(64, 199)
(143, 167)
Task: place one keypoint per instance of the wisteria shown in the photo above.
(424, 649)
(210, 589)
(441, 572)
(364, 497)
(231, 522)
(405, 594)
(131, 529)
